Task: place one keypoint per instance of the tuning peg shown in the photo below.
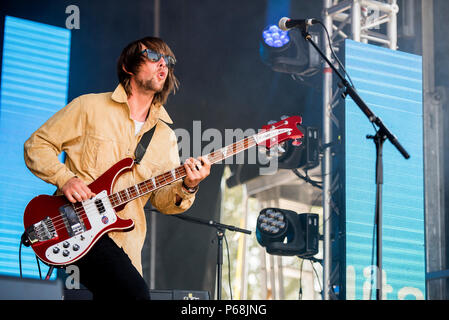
(280, 149)
(276, 151)
(284, 117)
(262, 149)
(296, 142)
(273, 152)
(272, 122)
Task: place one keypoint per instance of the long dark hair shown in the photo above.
(131, 59)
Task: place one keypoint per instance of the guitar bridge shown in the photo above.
(41, 231)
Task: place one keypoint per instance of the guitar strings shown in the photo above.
(180, 172)
(116, 199)
(214, 157)
(59, 223)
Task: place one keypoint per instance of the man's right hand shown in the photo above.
(76, 190)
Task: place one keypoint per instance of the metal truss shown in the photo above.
(363, 21)
(367, 21)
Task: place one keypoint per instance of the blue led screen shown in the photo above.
(390, 82)
(34, 86)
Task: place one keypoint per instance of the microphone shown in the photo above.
(286, 24)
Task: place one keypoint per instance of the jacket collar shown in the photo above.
(119, 95)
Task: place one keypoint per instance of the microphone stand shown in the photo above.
(381, 135)
(221, 228)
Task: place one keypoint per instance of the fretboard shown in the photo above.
(147, 186)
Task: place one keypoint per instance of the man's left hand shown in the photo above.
(197, 170)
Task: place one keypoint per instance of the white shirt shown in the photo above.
(138, 126)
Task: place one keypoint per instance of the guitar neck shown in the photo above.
(152, 184)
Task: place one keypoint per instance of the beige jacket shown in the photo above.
(96, 131)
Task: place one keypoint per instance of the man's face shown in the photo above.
(152, 75)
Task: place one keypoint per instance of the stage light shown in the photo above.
(272, 223)
(287, 52)
(275, 37)
(286, 233)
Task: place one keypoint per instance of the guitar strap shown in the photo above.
(143, 145)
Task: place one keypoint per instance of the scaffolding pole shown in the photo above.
(434, 166)
(327, 158)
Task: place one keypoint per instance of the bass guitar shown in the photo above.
(61, 232)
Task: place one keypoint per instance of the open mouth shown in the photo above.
(161, 75)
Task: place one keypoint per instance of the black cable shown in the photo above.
(39, 267)
(333, 53)
(307, 179)
(24, 242)
(20, 258)
(229, 266)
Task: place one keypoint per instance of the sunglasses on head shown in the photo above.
(155, 57)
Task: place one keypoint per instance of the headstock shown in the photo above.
(275, 133)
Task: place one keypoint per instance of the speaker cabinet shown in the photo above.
(179, 295)
(14, 288)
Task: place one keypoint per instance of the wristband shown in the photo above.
(188, 189)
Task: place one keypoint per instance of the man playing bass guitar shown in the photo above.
(96, 131)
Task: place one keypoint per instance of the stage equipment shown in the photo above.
(344, 19)
(77, 294)
(286, 233)
(84, 294)
(221, 228)
(275, 37)
(34, 87)
(285, 52)
(305, 155)
(179, 295)
(293, 154)
(14, 288)
(286, 23)
(382, 134)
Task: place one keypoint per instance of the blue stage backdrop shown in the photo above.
(34, 86)
(390, 82)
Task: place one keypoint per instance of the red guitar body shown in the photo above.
(62, 236)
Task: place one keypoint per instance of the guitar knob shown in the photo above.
(55, 250)
(65, 244)
(75, 247)
(65, 253)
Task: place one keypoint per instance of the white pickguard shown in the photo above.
(65, 251)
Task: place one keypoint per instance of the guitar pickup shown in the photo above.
(100, 206)
(72, 221)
